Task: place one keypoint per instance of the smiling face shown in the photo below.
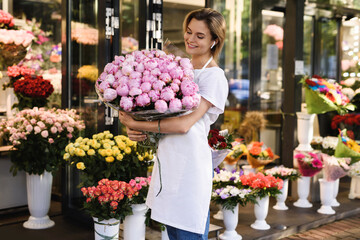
(198, 38)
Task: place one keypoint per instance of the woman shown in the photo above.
(184, 155)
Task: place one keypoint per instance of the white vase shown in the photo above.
(219, 215)
(334, 202)
(326, 196)
(230, 221)
(229, 167)
(134, 225)
(39, 196)
(261, 210)
(354, 187)
(303, 189)
(106, 229)
(305, 130)
(164, 235)
(248, 169)
(280, 198)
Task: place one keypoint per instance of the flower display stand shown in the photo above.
(303, 189)
(39, 196)
(354, 187)
(326, 196)
(261, 210)
(281, 198)
(134, 225)
(334, 202)
(106, 229)
(230, 222)
(305, 130)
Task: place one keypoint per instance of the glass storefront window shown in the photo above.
(129, 26)
(350, 64)
(308, 32)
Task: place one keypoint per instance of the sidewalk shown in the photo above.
(295, 223)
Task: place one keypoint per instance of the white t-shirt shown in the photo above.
(186, 163)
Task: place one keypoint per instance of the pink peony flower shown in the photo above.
(126, 103)
(177, 73)
(37, 129)
(154, 95)
(135, 83)
(165, 77)
(156, 72)
(175, 105)
(186, 63)
(145, 87)
(142, 100)
(118, 75)
(135, 75)
(161, 106)
(174, 87)
(158, 85)
(103, 86)
(151, 64)
(110, 94)
(188, 102)
(53, 129)
(140, 67)
(110, 79)
(127, 70)
(122, 90)
(29, 128)
(135, 91)
(188, 88)
(167, 94)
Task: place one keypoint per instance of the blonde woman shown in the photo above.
(184, 154)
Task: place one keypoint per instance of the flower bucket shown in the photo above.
(305, 131)
(326, 196)
(134, 225)
(261, 211)
(355, 187)
(230, 222)
(281, 198)
(106, 229)
(303, 189)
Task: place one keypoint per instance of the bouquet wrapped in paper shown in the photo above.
(239, 149)
(309, 163)
(334, 168)
(220, 143)
(259, 155)
(347, 147)
(321, 96)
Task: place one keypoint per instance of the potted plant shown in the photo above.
(38, 137)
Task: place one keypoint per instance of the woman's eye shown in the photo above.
(200, 37)
(188, 32)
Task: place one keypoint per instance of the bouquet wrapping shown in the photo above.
(259, 155)
(322, 96)
(334, 168)
(347, 147)
(309, 163)
(220, 143)
(237, 152)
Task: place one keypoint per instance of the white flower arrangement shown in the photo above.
(354, 170)
(224, 176)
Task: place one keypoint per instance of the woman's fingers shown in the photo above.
(135, 135)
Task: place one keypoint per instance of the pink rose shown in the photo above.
(142, 100)
(145, 87)
(158, 85)
(69, 135)
(51, 141)
(122, 90)
(175, 105)
(53, 129)
(167, 94)
(29, 128)
(187, 102)
(110, 94)
(161, 106)
(45, 134)
(135, 91)
(188, 88)
(154, 95)
(126, 103)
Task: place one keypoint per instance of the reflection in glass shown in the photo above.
(328, 61)
(129, 26)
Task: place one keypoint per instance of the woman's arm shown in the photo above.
(180, 124)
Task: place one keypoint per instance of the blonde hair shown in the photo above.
(215, 22)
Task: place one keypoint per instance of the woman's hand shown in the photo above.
(135, 135)
(126, 119)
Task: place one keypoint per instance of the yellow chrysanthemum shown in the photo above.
(97, 145)
(130, 143)
(68, 146)
(66, 156)
(119, 157)
(112, 143)
(106, 132)
(121, 145)
(127, 150)
(116, 152)
(80, 166)
(109, 135)
(102, 152)
(79, 152)
(106, 145)
(109, 159)
(85, 141)
(115, 148)
(91, 152)
(141, 158)
(76, 144)
(109, 152)
(72, 151)
(85, 147)
(78, 140)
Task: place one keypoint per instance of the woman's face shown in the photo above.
(198, 38)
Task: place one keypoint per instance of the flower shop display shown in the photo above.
(263, 186)
(326, 196)
(354, 173)
(286, 174)
(134, 224)
(309, 164)
(84, 34)
(16, 72)
(259, 155)
(129, 44)
(89, 72)
(108, 203)
(351, 88)
(220, 143)
(238, 150)
(107, 156)
(321, 96)
(38, 137)
(347, 147)
(350, 122)
(326, 144)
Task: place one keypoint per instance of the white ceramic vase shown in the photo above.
(230, 221)
(303, 189)
(354, 187)
(164, 235)
(305, 130)
(39, 196)
(106, 229)
(219, 215)
(134, 225)
(326, 196)
(334, 202)
(248, 169)
(261, 210)
(281, 198)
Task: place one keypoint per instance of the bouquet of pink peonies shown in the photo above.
(149, 85)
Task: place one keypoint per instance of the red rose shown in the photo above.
(310, 82)
(223, 145)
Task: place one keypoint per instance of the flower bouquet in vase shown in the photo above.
(220, 143)
(259, 155)
(286, 174)
(106, 155)
(354, 173)
(262, 186)
(347, 147)
(108, 203)
(309, 164)
(149, 85)
(38, 137)
(134, 224)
